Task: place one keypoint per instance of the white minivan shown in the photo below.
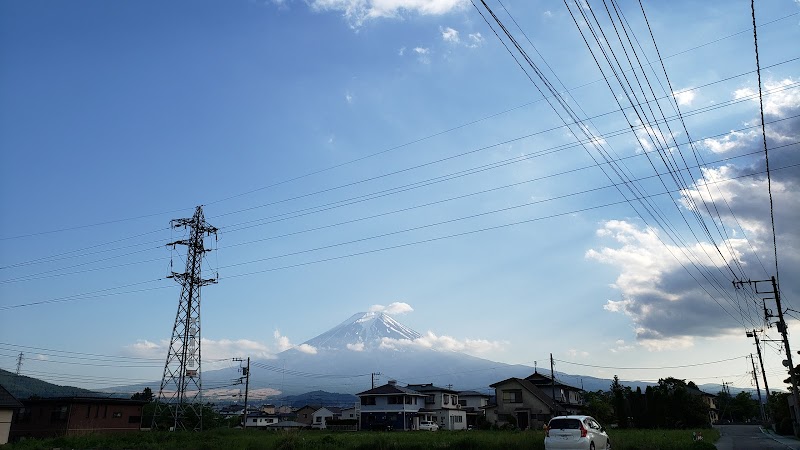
(426, 425)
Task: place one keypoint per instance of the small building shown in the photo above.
(321, 416)
(474, 405)
(261, 420)
(443, 404)
(74, 416)
(8, 405)
(305, 415)
(521, 403)
(392, 407)
(567, 399)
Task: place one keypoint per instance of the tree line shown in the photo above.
(672, 403)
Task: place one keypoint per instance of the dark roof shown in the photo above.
(7, 400)
(429, 387)
(106, 400)
(313, 407)
(541, 379)
(472, 393)
(287, 424)
(390, 389)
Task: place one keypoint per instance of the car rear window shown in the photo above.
(565, 424)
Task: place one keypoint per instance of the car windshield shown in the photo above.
(565, 424)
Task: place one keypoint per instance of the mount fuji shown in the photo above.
(367, 346)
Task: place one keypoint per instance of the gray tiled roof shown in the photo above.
(390, 389)
(7, 400)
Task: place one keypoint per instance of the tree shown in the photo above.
(146, 395)
(619, 400)
(598, 405)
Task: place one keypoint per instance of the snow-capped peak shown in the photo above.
(365, 330)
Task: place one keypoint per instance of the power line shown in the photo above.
(683, 366)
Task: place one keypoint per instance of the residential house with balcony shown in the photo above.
(443, 404)
(474, 405)
(392, 407)
(321, 416)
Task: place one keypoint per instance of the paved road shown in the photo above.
(751, 437)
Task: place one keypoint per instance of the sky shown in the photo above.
(400, 156)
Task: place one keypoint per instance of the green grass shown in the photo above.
(397, 440)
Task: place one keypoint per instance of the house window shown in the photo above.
(367, 400)
(319, 420)
(512, 396)
(445, 399)
(408, 399)
(462, 402)
(457, 419)
(395, 400)
(430, 398)
(58, 414)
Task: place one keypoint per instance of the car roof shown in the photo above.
(573, 417)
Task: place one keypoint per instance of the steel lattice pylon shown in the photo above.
(181, 395)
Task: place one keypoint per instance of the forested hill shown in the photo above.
(23, 387)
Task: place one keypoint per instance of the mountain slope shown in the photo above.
(23, 387)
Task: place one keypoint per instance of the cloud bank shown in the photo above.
(666, 287)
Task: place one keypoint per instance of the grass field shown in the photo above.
(309, 440)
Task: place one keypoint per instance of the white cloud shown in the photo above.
(402, 51)
(777, 103)
(475, 40)
(449, 35)
(423, 54)
(357, 347)
(308, 349)
(620, 347)
(357, 12)
(393, 309)
(731, 141)
(443, 343)
(348, 97)
(215, 352)
(684, 97)
(573, 353)
(282, 342)
(548, 14)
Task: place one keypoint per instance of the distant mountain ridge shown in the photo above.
(373, 346)
(23, 387)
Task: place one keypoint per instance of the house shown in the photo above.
(350, 413)
(443, 404)
(322, 415)
(268, 408)
(305, 415)
(474, 405)
(392, 407)
(521, 403)
(709, 400)
(71, 416)
(8, 404)
(568, 399)
(261, 420)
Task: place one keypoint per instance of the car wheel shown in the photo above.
(608, 444)
(591, 446)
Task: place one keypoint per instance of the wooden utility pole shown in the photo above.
(553, 385)
(246, 389)
(758, 390)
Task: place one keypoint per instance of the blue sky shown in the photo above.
(279, 115)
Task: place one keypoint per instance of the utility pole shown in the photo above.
(758, 390)
(784, 332)
(754, 334)
(181, 385)
(553, 384)
(246, 371)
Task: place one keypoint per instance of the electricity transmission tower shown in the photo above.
(181, 387)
